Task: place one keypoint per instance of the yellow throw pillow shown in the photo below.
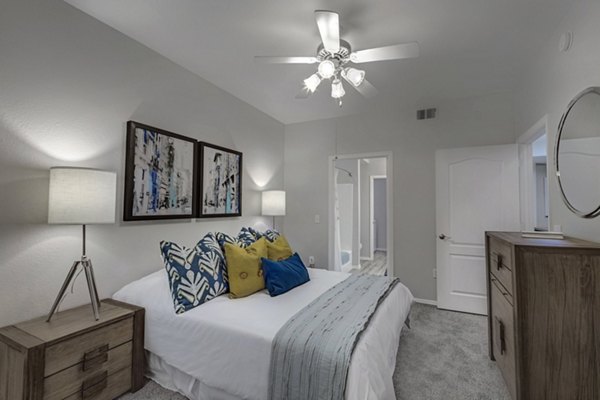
(244, 268)
(279, 249)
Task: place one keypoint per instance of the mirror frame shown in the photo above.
(561, 125)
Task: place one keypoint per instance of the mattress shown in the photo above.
(225, 344)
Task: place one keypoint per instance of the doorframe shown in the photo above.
(388, 155)
(527, 196)
(372, 232)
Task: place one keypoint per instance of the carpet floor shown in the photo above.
(442, 356)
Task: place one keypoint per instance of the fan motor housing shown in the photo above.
(343, 52)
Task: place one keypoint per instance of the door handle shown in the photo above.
(443, 237)
(502, 335)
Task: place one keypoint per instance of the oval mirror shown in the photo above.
(577, 154)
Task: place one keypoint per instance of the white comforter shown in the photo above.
(226, 343)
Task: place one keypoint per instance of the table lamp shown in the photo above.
(273, 203)
(81, 196)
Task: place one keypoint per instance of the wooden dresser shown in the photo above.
(74, 356)
(544, 315)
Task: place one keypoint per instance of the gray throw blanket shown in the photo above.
(311, 352)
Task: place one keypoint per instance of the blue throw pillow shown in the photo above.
(195, 275)
(282, 276)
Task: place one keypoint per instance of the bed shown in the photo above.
(221, 350)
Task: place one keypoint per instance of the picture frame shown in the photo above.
(161, 174)
(220, 183)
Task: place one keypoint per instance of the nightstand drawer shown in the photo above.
(102, 388)
(70, 380)
(89, 348)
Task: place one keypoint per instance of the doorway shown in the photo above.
(533, 178)
(377, 226)
(360, 208)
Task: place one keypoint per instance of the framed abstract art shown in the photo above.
(220, 193)
(160, 174)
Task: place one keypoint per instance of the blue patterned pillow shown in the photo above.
(271, 235)
(195, 275)
(243, 239)
(254, 232)
(248, 235)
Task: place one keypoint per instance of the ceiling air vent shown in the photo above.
(426, 113)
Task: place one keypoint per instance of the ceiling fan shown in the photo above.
(335, 58)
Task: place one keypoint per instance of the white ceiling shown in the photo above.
(468, 47)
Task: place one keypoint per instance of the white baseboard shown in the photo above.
(385, 250)
(425, 301)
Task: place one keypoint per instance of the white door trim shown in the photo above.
(372, 232)
(527, 173)
(390, 203)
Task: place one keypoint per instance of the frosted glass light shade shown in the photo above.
(273, 202)
(337, 89)
(354, 76)
(81, 196)
(312, 82)
(326, 69)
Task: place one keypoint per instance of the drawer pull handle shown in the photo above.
(94, 385)
(95, 357)
(499, 262)
(502, 336)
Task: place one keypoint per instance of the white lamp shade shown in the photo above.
(273, 202)
(81, 196)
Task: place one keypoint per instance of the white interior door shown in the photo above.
(477, 190)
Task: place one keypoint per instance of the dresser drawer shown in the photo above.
(104, 387)
(501, 263)
(70, 380)
(88, 347)
(502, 322)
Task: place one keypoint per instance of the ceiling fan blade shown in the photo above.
(394, 52)
(365, 88)
(285, 60)
(328, 23)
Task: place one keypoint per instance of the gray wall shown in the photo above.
(550, 80)
(68, 84)
(470, 122)
(375, 166)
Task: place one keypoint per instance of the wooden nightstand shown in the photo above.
(74, 356)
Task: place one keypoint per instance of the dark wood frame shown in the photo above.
(129, 176)
(201, 146)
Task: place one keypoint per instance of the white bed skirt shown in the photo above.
(178, 381)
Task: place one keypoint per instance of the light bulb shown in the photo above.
(312, 82)
(337, 89)
(326, 69)
(354, 76)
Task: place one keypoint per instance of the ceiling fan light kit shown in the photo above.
(337, 89)
(312, 82)
(333, 56)
(327, 69)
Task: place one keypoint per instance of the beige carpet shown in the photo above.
(443, 357)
